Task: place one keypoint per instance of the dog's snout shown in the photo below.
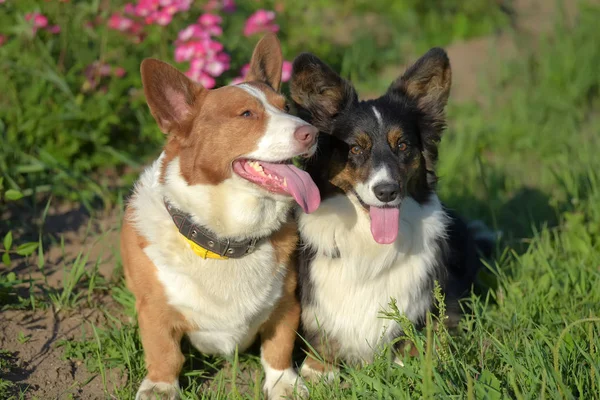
(306, 135)
(386, 192)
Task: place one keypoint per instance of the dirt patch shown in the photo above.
(67, 233)
(478, 62)
(36, 362)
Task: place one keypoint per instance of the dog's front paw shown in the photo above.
(284, 384)
(314, 375)
(150, 390)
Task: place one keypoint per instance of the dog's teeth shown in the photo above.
(255, 166)
(284, 182)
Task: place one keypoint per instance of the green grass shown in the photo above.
(526, 162)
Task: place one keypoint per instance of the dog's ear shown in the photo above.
(267, 62)
(427, 81)
(170, 94)
(320, 91)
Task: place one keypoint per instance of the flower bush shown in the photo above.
(73, 119)
(85, 109)
(197, 44)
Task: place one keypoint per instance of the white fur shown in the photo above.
(312, 375)
(275, 143)
(350, 290)
(235, 208)
(150, 390)
(282, 384)
(366, 189)
(227, 299)
(378, 116)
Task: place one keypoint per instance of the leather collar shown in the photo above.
(208, 240)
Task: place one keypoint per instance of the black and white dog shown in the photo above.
(381, 232)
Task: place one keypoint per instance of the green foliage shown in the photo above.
(58, 131)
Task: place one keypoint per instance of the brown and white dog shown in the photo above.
(208, 235)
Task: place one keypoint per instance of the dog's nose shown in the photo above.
(386, 192)
(306, 135)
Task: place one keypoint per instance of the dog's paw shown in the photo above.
(312, 375)
(150, 390)
(398, 361)
(284, 384)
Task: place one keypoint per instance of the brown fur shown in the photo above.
(206, 127)
(394, 136)
(274, 98)
(344, 175)
(266, 62)
(208, 131)
(278, 334)
(155, 316)
(322, 356)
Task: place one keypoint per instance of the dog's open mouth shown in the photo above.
(384, 221)
(283, 178)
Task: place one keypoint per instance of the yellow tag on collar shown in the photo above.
(202, 252)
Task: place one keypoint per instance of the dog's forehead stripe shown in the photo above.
(260, 95)
(377, 116)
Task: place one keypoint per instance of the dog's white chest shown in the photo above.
(228, 300)
(350, 291)
(349, 306)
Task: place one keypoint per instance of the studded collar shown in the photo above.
(206, 243)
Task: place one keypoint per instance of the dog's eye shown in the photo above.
(402, 146)
(356, 150)
(246, 114)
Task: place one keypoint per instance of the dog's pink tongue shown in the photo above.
(299, 184)
(384, 224)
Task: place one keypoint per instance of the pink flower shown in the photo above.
(202, 78)
(186, 51)
(103, 69)
(286, 71)
(209, 20)
(119, 72)
(188, 33)
(215, 68)
(129, 9)
(119, 22)
(210, 24)
(54, 29)
(228, 6)
(260, 21)
(244, 70)
(163, 18)
(38, 20)
(181, 5)
(2, 38)
(206, 57)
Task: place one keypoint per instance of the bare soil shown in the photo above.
(38, 366)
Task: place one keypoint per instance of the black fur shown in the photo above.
(414, 104)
